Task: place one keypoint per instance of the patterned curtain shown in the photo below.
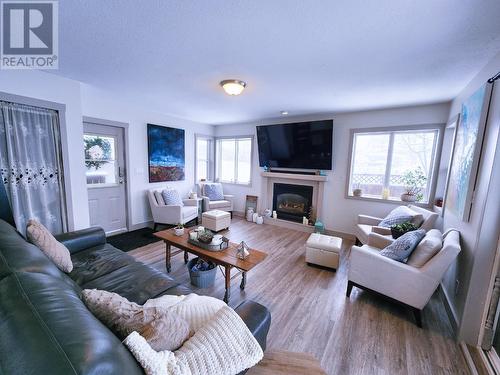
(30, 164)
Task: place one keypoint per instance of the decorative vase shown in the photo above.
(408, 197)
(260, 220)
(275, 215)
(250, 214)
(357, 192)
(179, 231)
(268, 212)
(255, 216)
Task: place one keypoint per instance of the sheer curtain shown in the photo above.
(30, 163)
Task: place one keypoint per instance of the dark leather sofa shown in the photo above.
(44, 326)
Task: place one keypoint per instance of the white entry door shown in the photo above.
(105, 173)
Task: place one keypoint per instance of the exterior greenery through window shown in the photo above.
(234, 160)
(387, 164)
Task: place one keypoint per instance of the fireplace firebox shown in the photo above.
(292, 202)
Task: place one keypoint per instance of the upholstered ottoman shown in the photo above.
(323, 250)
(216, 220)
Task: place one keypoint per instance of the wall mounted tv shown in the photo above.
(301, 145)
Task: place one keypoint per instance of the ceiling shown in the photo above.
(303, 56)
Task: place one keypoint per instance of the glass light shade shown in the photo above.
(233, 86)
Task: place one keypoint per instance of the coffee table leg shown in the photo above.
(186, 257)
(168, 252)
(227, 295)
(243, 280)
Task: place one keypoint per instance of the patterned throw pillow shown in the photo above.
(402, 248)
(40, 236)
(172, 197)
(213, 192)
(163, 329)
(399, 215)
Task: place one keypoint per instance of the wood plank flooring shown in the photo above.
(365, 334)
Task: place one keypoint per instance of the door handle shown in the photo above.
(121, 175)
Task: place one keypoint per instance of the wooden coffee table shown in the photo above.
(226, 258)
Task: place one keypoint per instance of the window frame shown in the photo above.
(392, 130)
(210, 156)
(218, 159)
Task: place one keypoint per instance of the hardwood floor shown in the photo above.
(365, 334)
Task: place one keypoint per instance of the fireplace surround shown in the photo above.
(292, 201)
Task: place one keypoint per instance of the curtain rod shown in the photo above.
(494, 78)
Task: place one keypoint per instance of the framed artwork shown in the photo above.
(166, 153)
(466, 153)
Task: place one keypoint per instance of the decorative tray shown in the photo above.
(207, 246)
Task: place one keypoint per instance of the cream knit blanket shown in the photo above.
(221, 345)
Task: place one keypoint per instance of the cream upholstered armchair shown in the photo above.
(225, 204)
(171, 214)
(423, 219)
(411, 285)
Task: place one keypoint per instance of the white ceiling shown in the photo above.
(304, 56)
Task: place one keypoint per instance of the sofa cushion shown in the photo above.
(399, 215)
(213, 191)
(219, 204)
(402, 247)
(171, 197)
(426, 249)
(47, 329)
(40, 236)
(189, 211)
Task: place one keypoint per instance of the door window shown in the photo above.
(100, 160)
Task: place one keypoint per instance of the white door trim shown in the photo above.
(124, 125)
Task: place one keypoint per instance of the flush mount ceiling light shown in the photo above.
(233, 86)
(284, 113)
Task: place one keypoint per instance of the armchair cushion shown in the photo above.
(172, 197)
(426, 249)
(399, 215)
(213, 191)
(402, 248)
(219, 204)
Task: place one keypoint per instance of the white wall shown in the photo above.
(49, 87)
(339, 213)
(479, 236)
(99, 104)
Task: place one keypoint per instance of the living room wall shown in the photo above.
(340, 213)
(85, 100)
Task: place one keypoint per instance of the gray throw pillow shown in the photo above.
(213, 192)
(399, 215)
(171, 197)
(402, 248)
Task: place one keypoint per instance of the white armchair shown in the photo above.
(401, 282)
(171, 214)
(367, 224)
(224, 205)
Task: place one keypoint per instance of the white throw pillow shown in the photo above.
(159, 198)
(40, 236)
(426, 249)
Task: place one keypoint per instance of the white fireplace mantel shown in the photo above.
(270, 178)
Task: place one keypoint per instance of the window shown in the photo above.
(204, 152)
(100, 159)
(234, 160)
(381, 159)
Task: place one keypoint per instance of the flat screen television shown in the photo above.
(301, 145)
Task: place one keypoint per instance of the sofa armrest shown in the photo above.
(190, 202)
(82, 239)
(257, 318)
(378, 240)
(368, 220)
(381, 230)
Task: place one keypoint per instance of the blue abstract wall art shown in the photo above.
(166, 153)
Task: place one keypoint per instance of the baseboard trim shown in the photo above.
(145, 224)
(450, 310)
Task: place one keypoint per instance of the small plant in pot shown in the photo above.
(399, 229)
(414, 182)
(179, 229)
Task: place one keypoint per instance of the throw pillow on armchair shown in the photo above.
(213, 191)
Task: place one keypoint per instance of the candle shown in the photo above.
(275, 215)
(193, 235)
(385, 193)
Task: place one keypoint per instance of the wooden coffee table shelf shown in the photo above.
(226, 258)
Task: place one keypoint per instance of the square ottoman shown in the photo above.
(323, 250)
(216, 220)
